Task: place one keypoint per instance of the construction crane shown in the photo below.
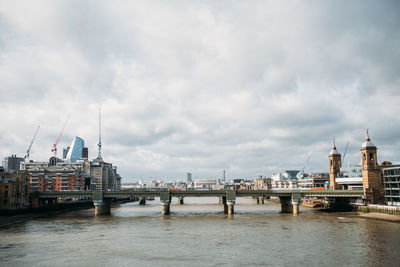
(300, 174)
(54, 149)
(30, 145)
(344, 154)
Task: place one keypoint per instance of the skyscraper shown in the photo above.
(189, 177)
(76, 149)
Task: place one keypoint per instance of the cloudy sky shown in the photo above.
(252, 87)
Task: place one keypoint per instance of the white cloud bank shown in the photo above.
(200, 86)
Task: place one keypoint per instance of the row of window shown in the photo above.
(391, 172)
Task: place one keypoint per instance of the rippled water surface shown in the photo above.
(199, 234)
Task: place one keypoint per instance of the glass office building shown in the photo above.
(76, 149)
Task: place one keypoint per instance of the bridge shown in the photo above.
(290, 199)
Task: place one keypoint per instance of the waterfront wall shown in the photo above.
(43, 209)
(380, 209)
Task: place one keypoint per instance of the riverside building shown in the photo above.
(61, 176)
(14, 191)
(391, 182)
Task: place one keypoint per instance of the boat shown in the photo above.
(312, 203)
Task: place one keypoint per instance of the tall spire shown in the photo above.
(367, 136)
(99, 144)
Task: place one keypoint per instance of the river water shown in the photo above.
(199, 234)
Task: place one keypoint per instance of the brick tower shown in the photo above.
(371, 172)
(335, 162)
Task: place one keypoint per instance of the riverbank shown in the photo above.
(379, 216)
(6, 220)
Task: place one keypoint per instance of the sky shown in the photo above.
(252, 87)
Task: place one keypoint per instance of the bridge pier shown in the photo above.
(260, 200)
(230, 207)
(142, 201)
(180, 200)
(286, 205)
(102, 208)
(295, 206)
(165, 208)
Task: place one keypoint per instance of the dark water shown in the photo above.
(200, 235)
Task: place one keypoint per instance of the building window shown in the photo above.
(371, 157)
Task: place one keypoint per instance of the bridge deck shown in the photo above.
(204, 193)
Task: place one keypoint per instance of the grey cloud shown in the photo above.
(247, 87)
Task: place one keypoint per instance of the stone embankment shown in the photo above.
(380, 212)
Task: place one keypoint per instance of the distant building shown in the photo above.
(65, 152)
(391, 182)
(350, 178)
(188, 177)
(206, 183)
(104, 176)
(76, 150)
(262, 183)
(285, 180)
(11, 164)
(313, 180)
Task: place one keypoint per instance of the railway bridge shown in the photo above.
(289, 199)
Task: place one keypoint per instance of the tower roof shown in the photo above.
(367, 142)
(334, 151)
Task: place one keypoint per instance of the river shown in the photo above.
(199, 234)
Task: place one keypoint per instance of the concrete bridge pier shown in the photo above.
(230, 207)
(165, 208)
(295, 206)
(180, 200)
(102, 208)
(286, 205)
(260, 200)
(142, 201)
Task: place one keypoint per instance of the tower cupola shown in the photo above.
(367, 142)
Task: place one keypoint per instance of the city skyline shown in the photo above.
(202, 87)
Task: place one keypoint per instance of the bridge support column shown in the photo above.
(142, 201)
(165, 208)
(180, 200)
(286, 206)
(295, 207)
(230, 205)
(102, 208)
(260, 200)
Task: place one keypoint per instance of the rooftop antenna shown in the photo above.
(99, 144)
